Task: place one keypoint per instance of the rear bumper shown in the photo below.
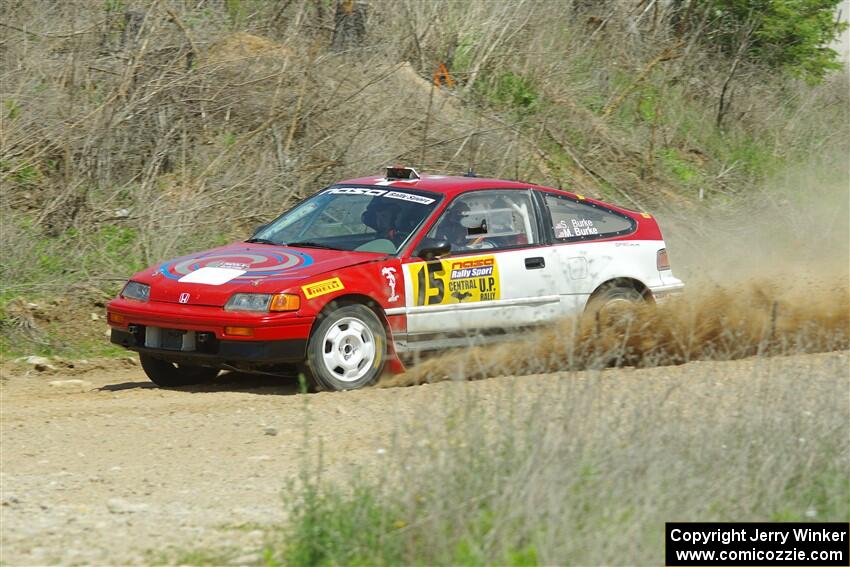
(663, 292)
(218, 353)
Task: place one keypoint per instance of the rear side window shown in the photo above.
(577, 220)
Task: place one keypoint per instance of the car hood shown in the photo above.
(212, 276)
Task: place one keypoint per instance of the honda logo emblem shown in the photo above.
(184, 297)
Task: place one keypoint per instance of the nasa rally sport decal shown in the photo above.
(409, 197)
(221, 266)
(459, 280)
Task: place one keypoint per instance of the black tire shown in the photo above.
(609, 297)
(169, 374)
(351, 357)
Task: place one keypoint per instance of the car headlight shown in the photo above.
(137, 291)
(263, 302)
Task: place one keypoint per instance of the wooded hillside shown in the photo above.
(136, 131)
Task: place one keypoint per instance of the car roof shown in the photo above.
(448, 185)
(452, 185)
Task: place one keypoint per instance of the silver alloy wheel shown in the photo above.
(618, 308)
(617, 302)
(348, 349)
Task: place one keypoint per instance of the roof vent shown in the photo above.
(399, 173)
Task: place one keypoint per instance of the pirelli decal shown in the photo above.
(322, 288)
(459, 280)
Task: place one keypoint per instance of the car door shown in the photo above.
(498, 275)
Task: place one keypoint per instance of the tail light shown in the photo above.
(661, 260)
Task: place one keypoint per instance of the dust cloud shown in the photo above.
(793, 232)
(766, 275)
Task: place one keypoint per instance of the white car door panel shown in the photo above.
(488, 291)
(499, 276)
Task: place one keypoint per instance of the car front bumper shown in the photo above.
(272, 338)
(218, 353)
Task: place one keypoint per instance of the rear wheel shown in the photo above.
(347, 349)
(613, 298)
(169, 374)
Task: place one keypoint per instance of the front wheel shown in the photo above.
(169, 374)
(347, 349)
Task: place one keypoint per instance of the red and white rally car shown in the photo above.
(373, 268)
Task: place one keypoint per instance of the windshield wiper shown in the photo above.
(308, 244)
(262, 241)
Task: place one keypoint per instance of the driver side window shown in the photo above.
(487, 220)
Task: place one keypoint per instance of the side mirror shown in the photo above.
(434, 250)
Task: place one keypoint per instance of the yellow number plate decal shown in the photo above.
(459, 280)
(322, 287)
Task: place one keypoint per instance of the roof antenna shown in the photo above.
(475, 140)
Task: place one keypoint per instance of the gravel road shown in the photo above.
(116, 471)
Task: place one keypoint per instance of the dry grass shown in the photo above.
(760, 319)
(585, 467)
(181, 125)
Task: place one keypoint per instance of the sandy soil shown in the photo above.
(115, 470)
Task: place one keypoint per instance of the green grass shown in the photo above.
(72, 274)
(77, 351)
(58, 340)
(334, 528)
(368, 527)
(683, 171)
(685, 123)
(14, 173)
(574, 475)
(510, 91)
(33, 257)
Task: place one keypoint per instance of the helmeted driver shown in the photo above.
(382, 215)
(460, 236)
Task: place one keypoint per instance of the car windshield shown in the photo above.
(366, 219)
